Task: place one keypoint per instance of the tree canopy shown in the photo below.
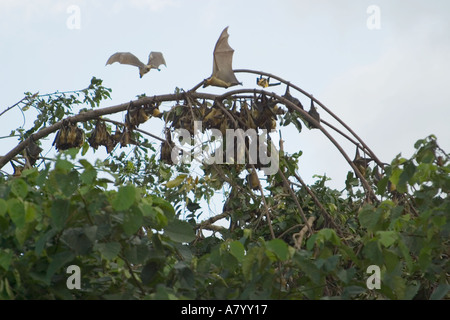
(132, 222)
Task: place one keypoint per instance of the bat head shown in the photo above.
(143, 70)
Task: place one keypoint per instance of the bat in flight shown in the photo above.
(223, 75)
(155, 59)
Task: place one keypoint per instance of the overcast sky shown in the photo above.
(382, 66)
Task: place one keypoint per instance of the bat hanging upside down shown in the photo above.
(223, 75)
(155, 59)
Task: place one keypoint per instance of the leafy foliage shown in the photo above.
(131, 225)
(130, 244)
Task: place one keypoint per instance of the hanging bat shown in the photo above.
(253, 180)
(68, 136)
(265, 82)
(101, 137)
(223, 75)
(214, 118)
(292, 99)
(361, 163)
(166, 148)
(155, 59)
(32, 152)
(17, 170)
(314, 114)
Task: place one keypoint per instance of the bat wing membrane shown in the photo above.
(223, 58)
(125, 58)
(156, 59)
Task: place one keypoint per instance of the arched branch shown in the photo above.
(310, 96)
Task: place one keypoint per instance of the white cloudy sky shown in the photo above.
(391, 85)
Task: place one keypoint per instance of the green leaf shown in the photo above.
(150, 272)
(30, 212)
(59, 213)
(137, 254)
(64, 165)
(42, 241)
(407, 174)
(124, 198)
(3, 207)
(19, 188)
(176, 182)
(109, 250)
(166, 207)
(346, 275)
(57, 262)
(16, 210)
(68, 183)
(405, 251)
(5, 259)
(279, 248)
(373, 252)
(237, 249)
(327, 234)
(395, 177)
(440, 292)
(179, 231)
(382, 184)
(23, 233)
(84, 149)
(309, 268)
(391, 260)
(368, 217)
(132, 221)
(387, 238)
(88, 176)
(77, 240)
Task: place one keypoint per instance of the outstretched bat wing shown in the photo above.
(155, 59)
(125, 58)
(223, 58)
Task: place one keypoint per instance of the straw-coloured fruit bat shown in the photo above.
(246, 116)
(361, 163)
(68, 136)
(292, 99)
(101, 137)
(17, 170)
(223, 75)
(253, 180)
(214, 118)
(155, 59)
(265, 82)
(137, 115)
(32, 153)
(314, 114)
(124, 137)
(265, 111)
(166, 148)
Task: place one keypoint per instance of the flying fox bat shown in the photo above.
(265, 82)
(292, 99)
(361, 163)
(68, 136)
(223, 75)
(155, 59)
(314, 114)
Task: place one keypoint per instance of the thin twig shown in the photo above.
(302, 214)
(298, 237)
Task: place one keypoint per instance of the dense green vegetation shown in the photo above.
(131, 225)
